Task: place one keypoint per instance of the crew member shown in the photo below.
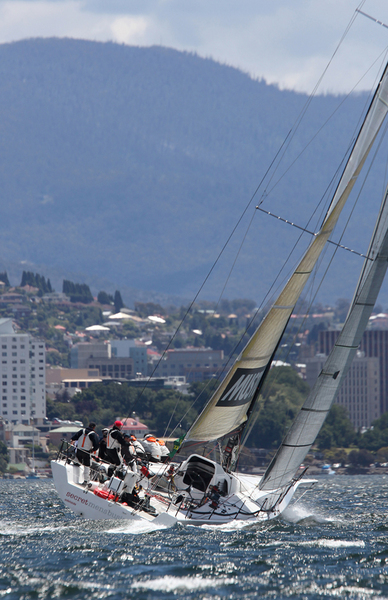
(152, 447)
(114, 442)
(87, 442)
(102, 446)
(138, 446)
(129, 453)
(164, 451)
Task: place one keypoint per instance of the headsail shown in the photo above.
(230, 404)
(309, 421)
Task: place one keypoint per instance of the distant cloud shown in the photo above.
(288, 43)
(129, 30)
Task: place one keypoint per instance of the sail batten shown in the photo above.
(233, 400)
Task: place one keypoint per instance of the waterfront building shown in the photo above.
(23, 376)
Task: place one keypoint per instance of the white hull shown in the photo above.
(244, 503)
(86, 504)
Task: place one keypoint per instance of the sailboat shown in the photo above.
(200, 490)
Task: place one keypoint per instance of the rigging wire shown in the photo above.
(217, 304)
(299, 238)
(280, 152)
(278, 157)
(372, 18)
(308, 102)
(330, 185)
(310, 232)
(294, 335)
(209, 273)
(268, 293)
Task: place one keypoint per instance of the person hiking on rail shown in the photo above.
(114, 441)
(87, 442)
(102, 446)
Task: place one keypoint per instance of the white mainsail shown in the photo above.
(309, 421)
(229, 405)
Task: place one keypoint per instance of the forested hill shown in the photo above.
(129, 166)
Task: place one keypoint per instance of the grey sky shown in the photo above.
(288, 42)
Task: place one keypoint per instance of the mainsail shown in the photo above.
(309, 421)
(228, 407)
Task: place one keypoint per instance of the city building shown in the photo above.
(58, 379)
(360, 391)
(98, 356)
(129, 348)
(65, 432)
(374, 344)
(195, 364)
(81, 354)
(23, 376)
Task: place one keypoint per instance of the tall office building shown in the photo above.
(23, 376)
(360, 391)
(374, 344)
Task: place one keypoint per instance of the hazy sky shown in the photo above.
(288, 42)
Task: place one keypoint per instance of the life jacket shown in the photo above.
(84, 442)
(151, 446)
(111, 442)
(164, 451)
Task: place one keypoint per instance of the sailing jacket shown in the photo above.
(102, 449)
(87, 439)
(115, 439)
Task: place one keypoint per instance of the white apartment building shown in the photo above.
(23, 376)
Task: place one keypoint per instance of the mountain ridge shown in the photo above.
(132, 165)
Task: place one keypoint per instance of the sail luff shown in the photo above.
(227, 409)
(309, 421)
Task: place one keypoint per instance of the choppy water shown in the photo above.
(333, 544)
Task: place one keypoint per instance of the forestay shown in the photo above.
(229, 405)
(309, 421)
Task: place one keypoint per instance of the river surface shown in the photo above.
(332, 544)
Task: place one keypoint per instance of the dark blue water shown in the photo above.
(333, 544)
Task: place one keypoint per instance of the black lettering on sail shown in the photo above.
(241, 387)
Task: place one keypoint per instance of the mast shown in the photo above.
(229, 406)
(309, 421)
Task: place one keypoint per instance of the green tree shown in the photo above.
(4, 278)
(377, 436)
(104, 298)
(361, 458)
(4, 457)
(201, 392)
(282, 396)
(78, 292)
(382, 455)
(337, 430)
(336, 455)
(144, 309)
(118, 301)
